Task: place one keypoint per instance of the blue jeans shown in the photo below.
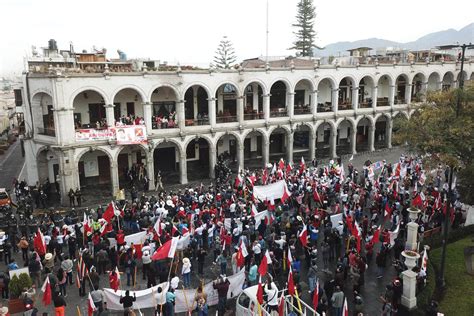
(224, 268)
(187, 279)
(380, 270)
(337, 311)
(312, 284)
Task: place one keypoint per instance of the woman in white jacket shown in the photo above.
(186, 272)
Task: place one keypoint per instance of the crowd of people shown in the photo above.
(298, 238)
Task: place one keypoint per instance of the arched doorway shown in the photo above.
(132, 166)
(89, 110)
(323, 140)
(325, 88)
(302, 143)
(346, 86)
(47, 164)
(278, 144)
(43, 114)
(383, 91)
(399, 122)
(402, 89)
(253, 149)
(381, 130)
(226, 105)
(362, 136)
(343, 141)
(94, 170)
(418, 91)
(196, 106)
(197, 157)
(278, 99)
(448, 81)
(434, 82)
(166, 161)
(128, 107)
(366, 92)
(227, 150)
(303, 97)
(253, 102)
(163, 100)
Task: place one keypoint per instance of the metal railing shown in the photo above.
(253, 116)
(324, 107)
(226, 119)
(302, 110)
(47, 131)
(164, 125)
(197, 122)
(382, 102)
(279, 113)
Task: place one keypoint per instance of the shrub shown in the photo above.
(17, 284)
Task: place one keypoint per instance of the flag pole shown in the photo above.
(298, 300)
(78, 310)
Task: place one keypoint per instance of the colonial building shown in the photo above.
(88, 119)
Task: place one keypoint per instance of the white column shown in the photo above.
(335, 100)
(240, 110)
(183, 168)
(266, 151)
(412, 236)
(212, 112)
(109, 113)
(68, 174)
(150, 168)
(391, 97)
(409, 289)
(332, 143)
(289, 147)
(195, 102)
(240, 154)
(371, 138)
(266, 107)
(408, 90)
(212, 161)
(180, 114)
(314, 102)
(64, 126)
(353, 141)
(388, 133)
(290, 97)
(312, 145)
(355, 98)
(375, 93)
(255, 96)
(147, 116)
(114, 177)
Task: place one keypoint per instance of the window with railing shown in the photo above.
(383, 101)
(365, 104)
(226, 118)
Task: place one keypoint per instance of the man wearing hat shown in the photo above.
(222, 286)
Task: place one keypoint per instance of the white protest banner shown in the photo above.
(136, 239)
(335, 219)
(147, 298)
(131, 134)
(271, 192)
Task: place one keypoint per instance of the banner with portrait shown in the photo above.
(129, 135)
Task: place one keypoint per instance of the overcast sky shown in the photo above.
(188, 31)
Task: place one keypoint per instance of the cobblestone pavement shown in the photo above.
(371, 291)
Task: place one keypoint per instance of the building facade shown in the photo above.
(192, 116)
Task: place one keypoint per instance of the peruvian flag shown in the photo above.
(252, 179)
(376, 236)
(345, 310)
(114, 279)
(157, 227)
(106, 228)
(109, 212)
(316, 296)
(289, 168)
(388, 210)
(424, 261)
(46, 289)
(242, 253)
(417, 201)
(39, 243)
(265, 176)
(290, 258)
(281, 304)
(266, 260)
(302, 165)
(86, 223)
(316, 196)
(90, 306)
(238, 180)
(303, 235)
(167, 250)
(260, 291)
(291, 283)
(281, 164)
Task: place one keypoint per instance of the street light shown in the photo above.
(441, 281)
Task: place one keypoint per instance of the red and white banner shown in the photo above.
(91, 134)
(125, 135)
(271, 192)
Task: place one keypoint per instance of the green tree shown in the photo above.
(305, 33)
(444, 137)
(225, 54)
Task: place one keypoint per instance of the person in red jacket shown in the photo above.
(120, 238)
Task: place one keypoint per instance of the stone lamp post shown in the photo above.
(411, 257)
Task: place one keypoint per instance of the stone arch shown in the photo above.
(418, 87)
(89, 108)
(279, 141)
(254, 91)
(120, 148)
(96, 89)
(434, 81)
(303, 98)
(382, 126)
(385, 85)
(227, 95)
(164, 85)
(346, 91)
(196, 105)
(255, 143)
(345, 128)
(128, 103)
(225, 82)
(368, 117)
(400, 113)
(200, 84)
(279, 97)
(136, 88)
(262, 84)
(303, 141)
(365, 125)
(42, 110)
(167, 160)
(398, 120)
(45, 160)
(326, 87)
(131, 160)
(402, 89)
(366, 91)
(447, 80)
(227, 147)
(200, 157)
(82, 151)
(97, 171)
(165, 100)
(325, 147)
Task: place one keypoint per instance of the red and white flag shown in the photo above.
(167, 250)
(345, 309)
(424, 261)
(291, 283)
(39, 243)
(290, 258)
(90, 306)
(109, 212)
(114, 279)
(281, 164)
(157, 227)
(281, 304)
(242, 253)
(302, 165)
(303, 235)
(253, 211)
(47, 294)
(260, 291)
(266, 260)
(316, 296)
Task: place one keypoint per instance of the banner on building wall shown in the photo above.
(125, 135)
(128, 135)
(91, 134)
